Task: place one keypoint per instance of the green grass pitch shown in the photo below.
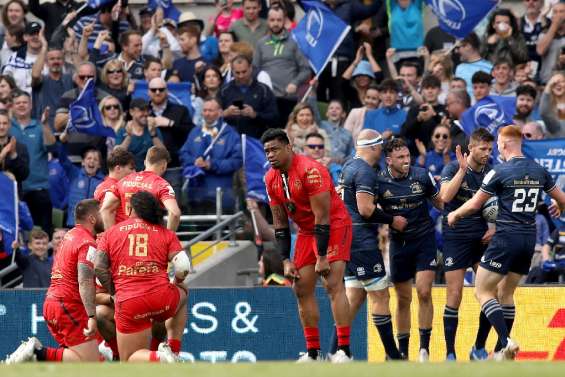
(273, 369)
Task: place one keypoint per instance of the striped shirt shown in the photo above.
(98, 27)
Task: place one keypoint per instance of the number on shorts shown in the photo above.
(138, 244)
(525, 200)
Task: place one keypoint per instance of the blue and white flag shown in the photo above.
(459, 17)
(85, 116)
(179, 93)
(169, 9)
(94, 4)
(255, 166)
(492, 112)
(319, 34)
(8, 212)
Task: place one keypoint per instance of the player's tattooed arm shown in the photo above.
(102, 270)
(280, 219)
(87, 288)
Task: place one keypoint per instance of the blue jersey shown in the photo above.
(408, 197)
(474, 225)
(518, 184)
(358, 176)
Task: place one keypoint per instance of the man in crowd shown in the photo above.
(35, 263)
(525, 102)
(131, 58)
(14, 156)
(456, 103)
(388, 119)
(481, 85)
(251, 27)
(503, 74)
(532, 131)
(551, 42)
(471, 60)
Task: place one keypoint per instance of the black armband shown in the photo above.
(381, 217)
(282, 236)
(322, 233)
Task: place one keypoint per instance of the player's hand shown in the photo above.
(91, 327)
(452, 218)
(488, 235)
(554, 209)
(322, 266)
(290, 270)
(461, 158)
(399, 223)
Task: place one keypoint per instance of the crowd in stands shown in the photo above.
(246, 75)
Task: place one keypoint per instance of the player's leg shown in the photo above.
(134, 346)
(107, 327)
(454, 280)
(424, 281)
(478, 351)
(356, 296)
(335, 289)
(404, 299)
(158, 335)
(87, 351)
(304, 289)
(380, 312)
(176, 324)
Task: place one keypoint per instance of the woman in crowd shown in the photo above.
(435, 159)
(362, 73)
(552, 105)
(210, 83)
(225, 41)
(356, 118)
(115, 81)
(113, 116)
(7, 86)
(226, 15)
(14, 13)
(301, 123)
(503, 39)
(441, 66)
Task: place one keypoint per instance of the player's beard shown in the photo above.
(99, 226)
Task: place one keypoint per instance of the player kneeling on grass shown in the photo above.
(132, 263)
(518, 184)
(69, 309)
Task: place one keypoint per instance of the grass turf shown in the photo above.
(273, 369)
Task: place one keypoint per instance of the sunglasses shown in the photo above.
(441, 136)
(85, 77)
(157, 90)
(110, 71)
(527, 135)
(315, 146)
(110, 107)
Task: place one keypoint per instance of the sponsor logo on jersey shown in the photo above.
(416, 188)
(387, 194)
(313, 176)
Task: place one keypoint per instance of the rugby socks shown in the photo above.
(312, 336)
(403, 342)
(154, 357)
(509, 312)
(450, 322)
(343, 333)
(154, 344)
(175, 345)
(383, 323)
(49, 354)
(482, 332)
(425, 335)
(494, 313)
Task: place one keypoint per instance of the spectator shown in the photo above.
(532, 23)
(102, 51)
(245, 49)
(58, 183)
(39, 140)
(152, 68)
(437, 40)
(130, 57)
(83, 180)
(56, 239)
(314, 148)
(523, 73)
(471, 60)
(503, 74)
(441, 66)
(503, 39)
(551, 42)
(457, 83)
(457, 102)
(112, 113)
(225, 17)
(7, 86)
(140, 134)
(209, 45)
(114, 81)
(225, 42)
(251, 27)
(14, 13)
(388, 119)
(211, 82)
(441, 154)
(35, 266)
(301, 123)
(481, 85)
(107, 18)
(356, 118)
(552, 105)
(248, 105)
(289, 12)
(525, 102)
(20, 64)
(406, 24)
(14, 157)
(13, 40)
(340, 138)
(145, 18)
(532, 131)
(158, 41)
(219, 165)
(409, 75)
(186, 67)
(279, 56)
(53, 13)
(174, 125)
(361, 74)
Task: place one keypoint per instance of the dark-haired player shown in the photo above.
(68, 311)
(302, 189)
(518, 183)
(132, 263)
(404, 190)
(465, 243)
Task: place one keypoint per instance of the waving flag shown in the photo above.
(97, 3)
(319, 34)
(255, 166)
(169, 10)
(459, 17)
(84, 115)
(8, 212)
(179, 93)
(492, 112)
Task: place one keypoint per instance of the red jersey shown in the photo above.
(306, 178)
(142, 181)
(108, 185)
(139, 253)
(78, 246)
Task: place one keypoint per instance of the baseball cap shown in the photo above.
(170, 22)
(32, 28)
(146, 11)
(139, 103)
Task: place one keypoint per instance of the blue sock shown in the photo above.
(482, 332)
(450, 322)
(333, 341)
(509, 312)
(494, 313)
(425, 335)
(403, 343)
(384, 326)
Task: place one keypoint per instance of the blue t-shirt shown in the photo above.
(406, 25)
(472, 226)
(517, 184)
(434, 161)
(467, 70)
(139, 145)
(408, 196)
(184, 68)
(386, 118)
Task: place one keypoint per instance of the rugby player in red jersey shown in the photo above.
(68, 310)
(302, 189)
(131, 263)
(150, 180)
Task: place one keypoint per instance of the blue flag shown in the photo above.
(255, 166)
(179, 93)
(492, 112)
(84, 115)
(169, 9)
(8, 212)
(459, 17)
(319, 34)
(97, 3)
